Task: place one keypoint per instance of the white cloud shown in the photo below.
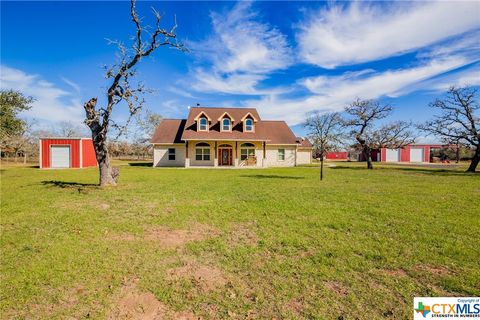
(467, 77)
(390, 83)
(241, 52)
(72, 84)
(332, 93)
(244, 83)
(358, 32)
(51, 104)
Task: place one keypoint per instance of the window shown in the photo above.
(202, 151)
(246, 150)
(203, 126)
(226, 124)
(249, 125)
(281, 154)
(171, 153)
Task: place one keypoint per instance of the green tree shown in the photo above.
(12, 103)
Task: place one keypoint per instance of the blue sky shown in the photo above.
(284, 58)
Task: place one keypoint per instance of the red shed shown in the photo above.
(66, 153)
(342, 155)
(409, 153)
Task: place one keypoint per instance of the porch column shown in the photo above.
(187, 159)
(215, 156)
(264, 160)
(236, 162)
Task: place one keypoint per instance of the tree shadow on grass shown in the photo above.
(270, 176)
(140, 164)
(428, 171)
(68, 185)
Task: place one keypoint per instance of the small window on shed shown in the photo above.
(281, 154)
(171, 153)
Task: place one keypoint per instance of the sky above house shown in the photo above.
(284, 58)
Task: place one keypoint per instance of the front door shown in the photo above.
(224, 157)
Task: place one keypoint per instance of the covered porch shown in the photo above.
(225, 154)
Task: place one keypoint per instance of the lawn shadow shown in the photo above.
(270, 176)
(426, 170)
(140, 164)
(67, 185)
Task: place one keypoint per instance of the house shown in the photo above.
(62, 152)
(227, 137)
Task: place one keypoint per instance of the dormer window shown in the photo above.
(248, 125)
(248, 121)
(226, 124)
(203, 124)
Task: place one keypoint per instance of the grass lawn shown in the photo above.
(271, 243)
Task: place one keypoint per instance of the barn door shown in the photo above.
(60, 156)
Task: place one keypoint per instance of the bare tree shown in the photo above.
(459, 120)
(69, 129)
(121, 89)
(146, 124)
(362, 117)
(325, 130)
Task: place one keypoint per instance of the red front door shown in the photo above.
(224, 157)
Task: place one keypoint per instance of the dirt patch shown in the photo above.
(398, 273)
(171, 238)
(243, 234)
(206, 278)
(134, 304)
(185, 315)
(438, 270)
(337, 287)
(176, 238)
(295, 306)
(104, 206)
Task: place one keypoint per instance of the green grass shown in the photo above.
(360, 244)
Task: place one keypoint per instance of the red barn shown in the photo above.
(66, 153)
(410, 153)
(342, 155)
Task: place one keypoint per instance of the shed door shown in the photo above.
(393, 155)
(60, 156)
(416, 155)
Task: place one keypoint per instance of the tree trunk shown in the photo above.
(457, 154)
(103, 159)
(475, 160)
(368, 156)
(321, 168)
(25, 158)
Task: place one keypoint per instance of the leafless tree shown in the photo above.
(325, 131)
(69, 129)
(458, 120)
(146, 124)
(362, 118)
(122, 90)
